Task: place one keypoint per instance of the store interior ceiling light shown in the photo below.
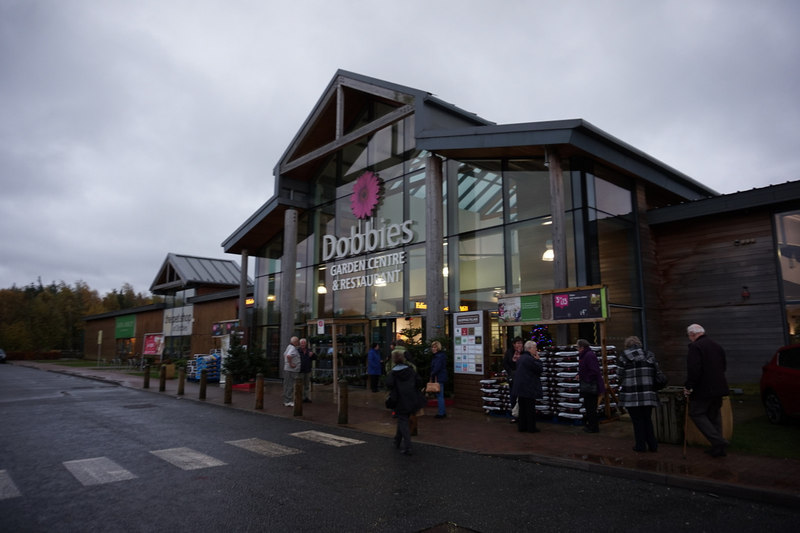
(321, 289)
(548, 254)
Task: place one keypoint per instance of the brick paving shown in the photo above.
(566, 445)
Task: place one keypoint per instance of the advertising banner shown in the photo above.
(589, 303)
(178, 321)
(560, 305)
(153, 344)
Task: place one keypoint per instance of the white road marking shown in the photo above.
(7, 487)
(326, 438)
(263, 447)
(97, 471)
(187, 459)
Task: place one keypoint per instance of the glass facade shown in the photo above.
(497, 236)
(787, 235)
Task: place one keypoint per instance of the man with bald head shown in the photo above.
(705, 386)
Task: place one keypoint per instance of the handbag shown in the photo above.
(433, 387)
(391, 400)
(660, 380)
(588, 388)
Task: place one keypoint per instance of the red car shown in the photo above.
(780, 384)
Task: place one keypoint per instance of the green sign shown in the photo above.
(125, 327)
(514, 309)
(530, 307)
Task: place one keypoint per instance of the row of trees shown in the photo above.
(41, 318)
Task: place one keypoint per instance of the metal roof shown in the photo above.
(130, 311)
(443, 129)
(775, 197)
(574, 137)
(180, 272)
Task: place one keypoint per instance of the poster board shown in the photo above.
(469, 342)
(581, 304)
(153, 344)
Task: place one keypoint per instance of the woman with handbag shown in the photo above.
(636, 370)
(592, 385)
(438, 376)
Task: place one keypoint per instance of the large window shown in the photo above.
(527, 189)
(529, 248)
(787, 231)
(390, 210)
(479, 189)
(417, 278)
(481, 275)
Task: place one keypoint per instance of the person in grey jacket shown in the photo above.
(636, 370)
(527, 387)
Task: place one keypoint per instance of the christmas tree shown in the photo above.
(541, 336)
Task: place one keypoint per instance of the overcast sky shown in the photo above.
(131, 129)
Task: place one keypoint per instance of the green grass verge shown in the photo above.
(754, 434)
(75, 363)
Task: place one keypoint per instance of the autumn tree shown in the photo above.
(42, 318)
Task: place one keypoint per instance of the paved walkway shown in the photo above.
(608, 452)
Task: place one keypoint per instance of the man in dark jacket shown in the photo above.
(705, 386)
(528, 386)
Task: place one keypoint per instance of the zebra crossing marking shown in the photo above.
(187, 458)
(326, 438)
(7, 487)
(97, 471)
(263, 447)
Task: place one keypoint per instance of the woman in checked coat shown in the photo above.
(636, 370)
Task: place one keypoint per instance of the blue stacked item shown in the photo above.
(210, 363)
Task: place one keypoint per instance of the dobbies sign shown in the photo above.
(367, 237)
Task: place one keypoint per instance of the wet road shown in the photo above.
(81, 455)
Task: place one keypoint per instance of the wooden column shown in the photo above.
(288, 278)
(560, 278)
(434, 249)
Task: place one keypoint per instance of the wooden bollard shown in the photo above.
(203, 383)
(259, 391)
(162, 378)
(228, 388)
(298, 393)
(343, 401)
(146, 384)
(181, 381)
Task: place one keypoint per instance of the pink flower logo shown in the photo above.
(365, 195)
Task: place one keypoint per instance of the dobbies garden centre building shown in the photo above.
(395, 211)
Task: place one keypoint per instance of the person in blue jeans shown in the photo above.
(439, 375)
(374, 366)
